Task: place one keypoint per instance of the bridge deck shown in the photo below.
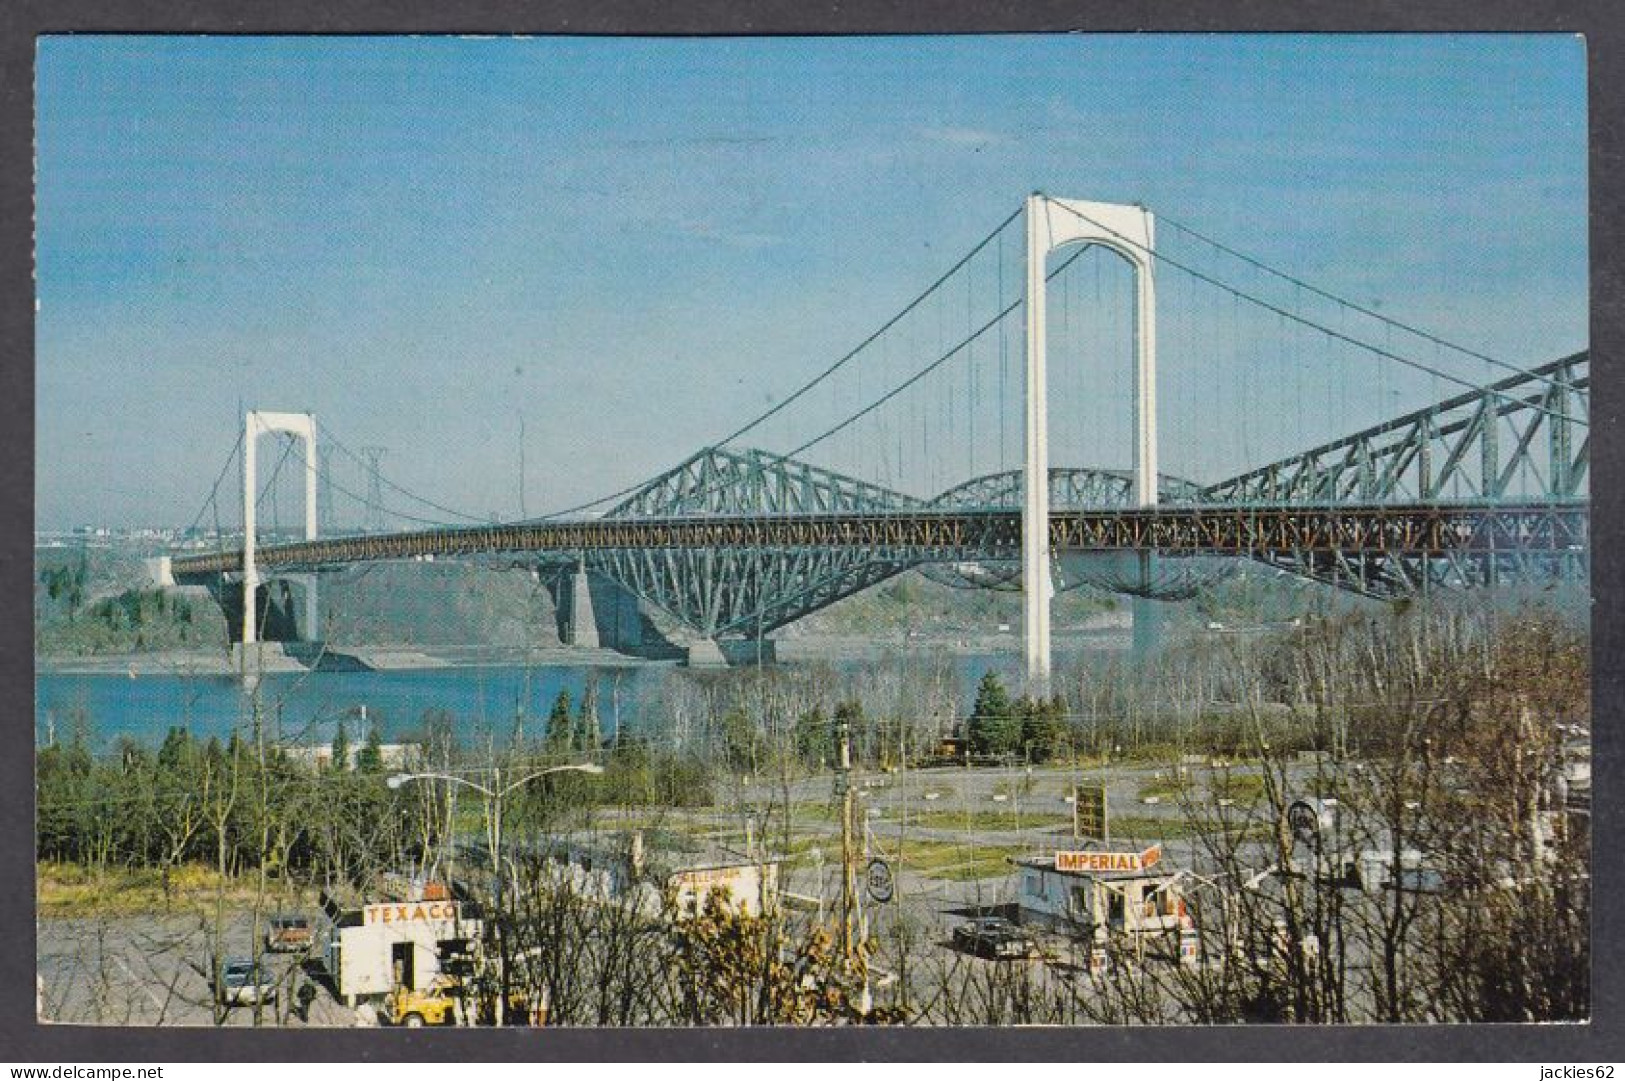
(925, 535)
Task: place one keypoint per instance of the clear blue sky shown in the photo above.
(637, 244)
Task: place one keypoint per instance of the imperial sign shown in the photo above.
(1098, 862)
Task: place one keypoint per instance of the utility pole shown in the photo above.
(494, 823)
(849, 880)
(522, 511)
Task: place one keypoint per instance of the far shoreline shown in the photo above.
(218, 664)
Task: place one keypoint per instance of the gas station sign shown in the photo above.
(409, 912)
(1108, 862)
(1089, 813)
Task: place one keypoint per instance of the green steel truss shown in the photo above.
(1522, 438)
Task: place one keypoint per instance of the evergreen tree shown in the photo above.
(1043, 724)
(740, 742)
(176, 749)
(559, 723)
(341, 748)
(814, 740)
(587, 737)
(371, 757)
(995, 726)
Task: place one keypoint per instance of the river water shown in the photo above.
(306, 707)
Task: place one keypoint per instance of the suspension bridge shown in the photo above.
(1453, 469)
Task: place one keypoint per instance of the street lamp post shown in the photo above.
(494, 795)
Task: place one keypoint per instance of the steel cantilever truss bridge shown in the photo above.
(1487, 487)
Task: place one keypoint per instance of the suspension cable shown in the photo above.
(1353, 306)
(270, 482)
(927, 370)
(215, 489)
(887, 325)
(1328, 331)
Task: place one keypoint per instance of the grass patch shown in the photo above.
(817, 812)
(1141, 753)
(800, 851)
(1164, 788)
(622, 822)
(68, 891)
(1150, 828)
(947, 819)
(1241, 787)
(948, 861)
(1323, 786)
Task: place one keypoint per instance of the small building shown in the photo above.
(1112, 892)
(320, 755)
(610, 867)
(749, 884)
(371, 949)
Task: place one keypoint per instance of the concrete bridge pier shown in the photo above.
(731, 652)
(594, 611)
(581, 622)
(706, 653)
(285, 610)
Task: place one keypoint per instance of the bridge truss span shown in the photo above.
(1525, 437)
(721, 480)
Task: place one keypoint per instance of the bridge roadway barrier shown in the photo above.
(927, 535)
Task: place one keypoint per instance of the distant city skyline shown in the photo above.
(630, 246)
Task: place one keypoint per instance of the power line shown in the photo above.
(329, 437)
(327, 478)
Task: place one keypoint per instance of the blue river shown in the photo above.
(307, 707)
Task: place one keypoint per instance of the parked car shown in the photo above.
(243, 983)
(994, 937)
(288, 934)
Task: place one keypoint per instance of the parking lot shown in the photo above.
(154, 970)
(948, 836)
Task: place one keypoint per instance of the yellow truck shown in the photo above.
(438, 1004)
(442, 1003)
